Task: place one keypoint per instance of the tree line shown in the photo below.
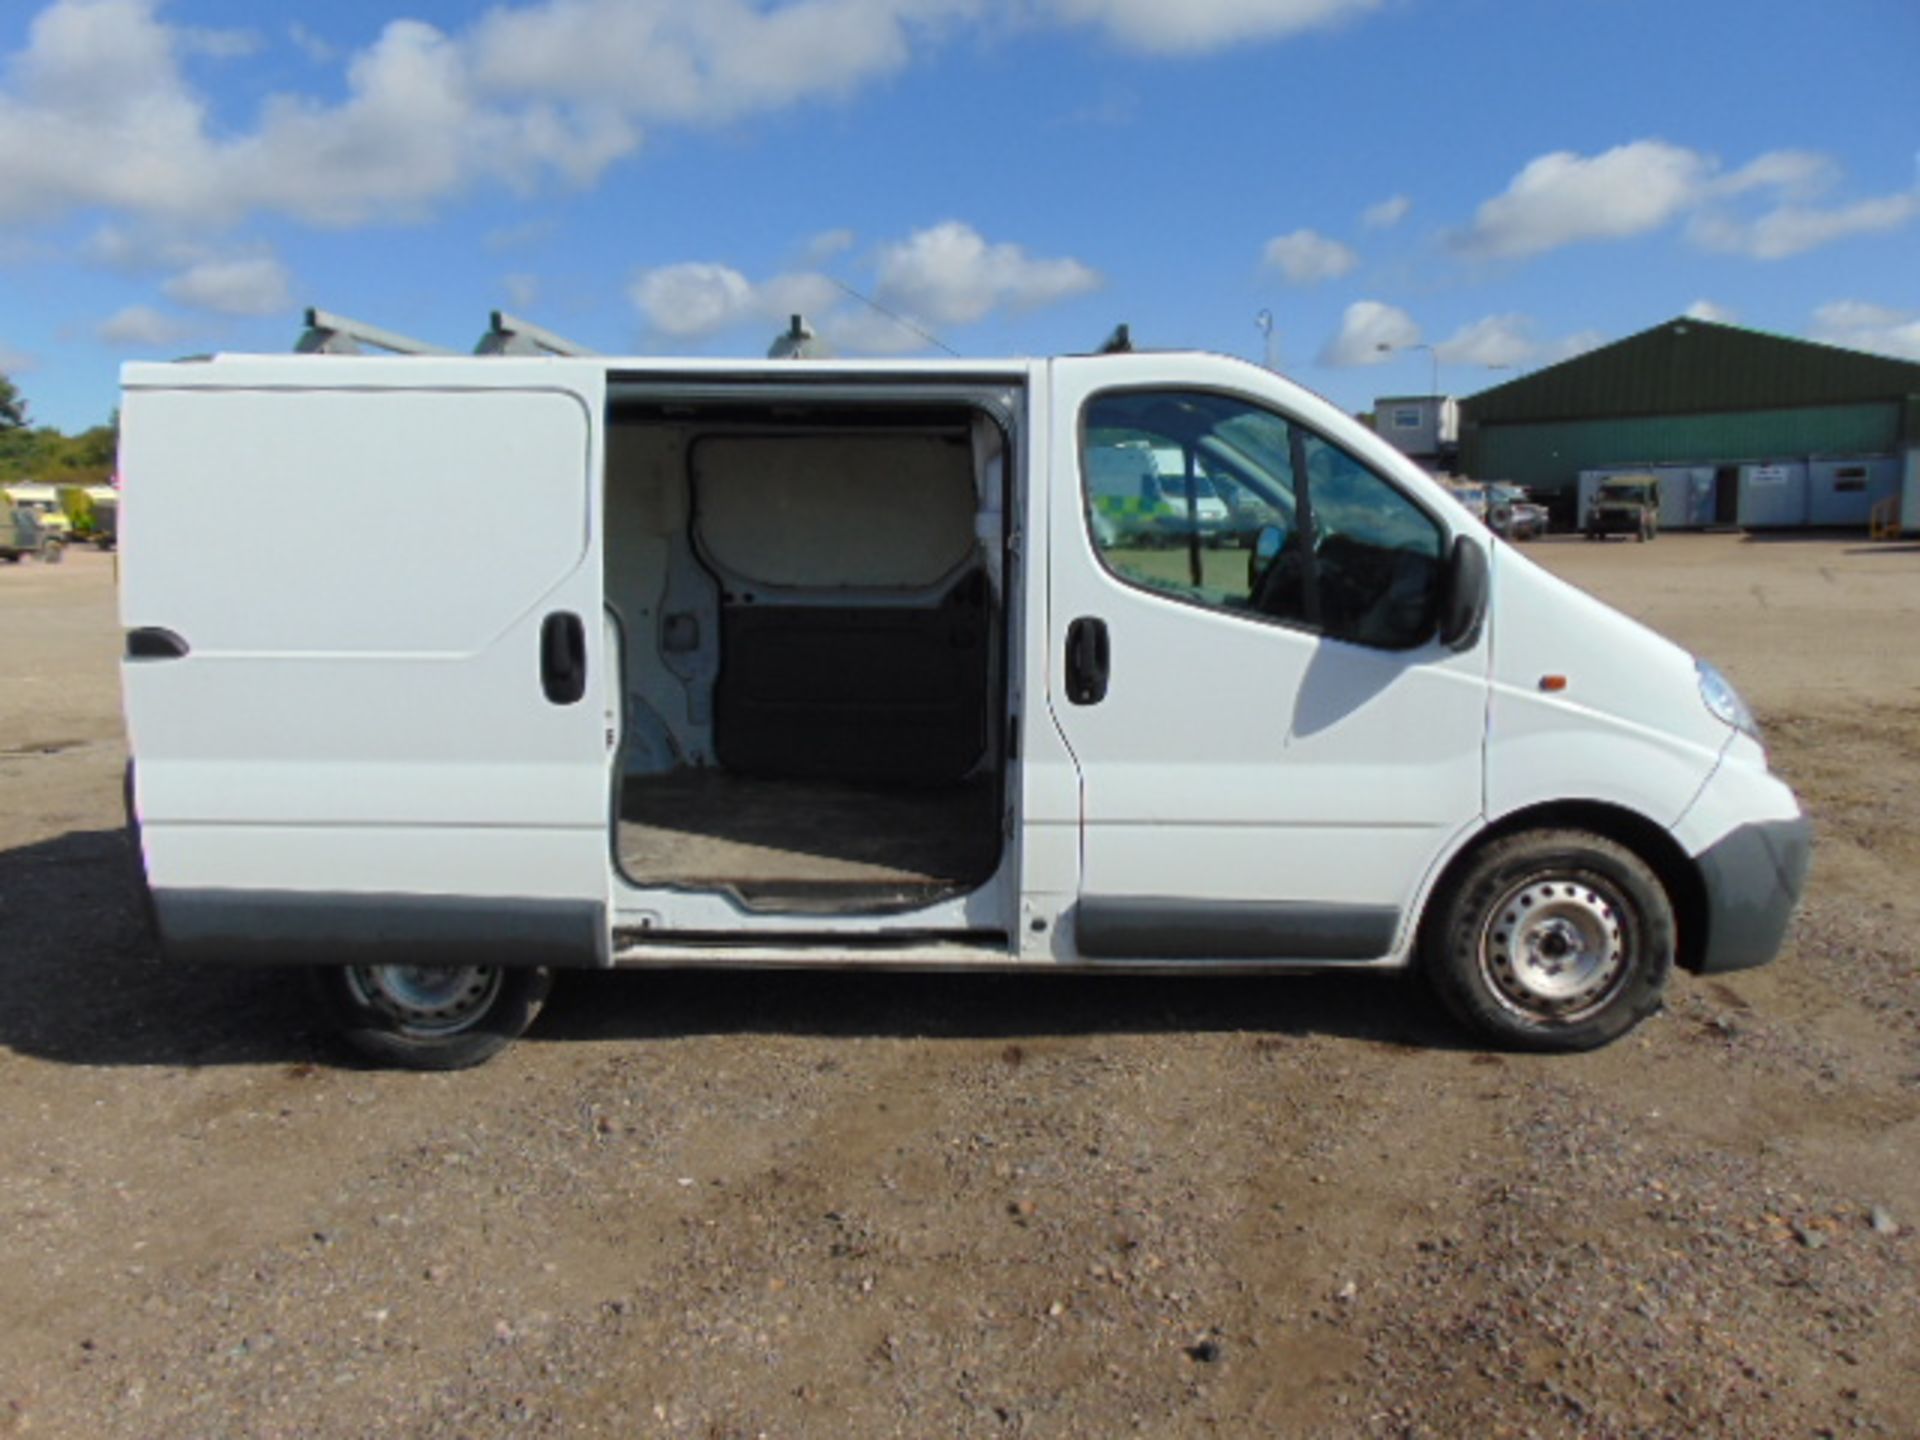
(40, 452)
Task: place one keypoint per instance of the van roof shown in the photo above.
(141, 372)
(171, 373)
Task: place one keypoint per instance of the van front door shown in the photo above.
(1273, 748)
(364, 670)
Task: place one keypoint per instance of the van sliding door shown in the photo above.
(376, 732)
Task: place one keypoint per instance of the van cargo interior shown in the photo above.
(807, 600)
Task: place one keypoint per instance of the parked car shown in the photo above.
(1625, 505)
(830, 664)
(1515, 514)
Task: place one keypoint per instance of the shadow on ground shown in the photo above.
(88, 987)
(844, 1004)
(1824, 534)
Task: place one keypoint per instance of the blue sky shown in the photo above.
(1506, 181)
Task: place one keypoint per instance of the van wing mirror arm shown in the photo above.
(1463, 601)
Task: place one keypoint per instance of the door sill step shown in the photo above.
(636, 949)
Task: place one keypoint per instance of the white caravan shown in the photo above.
(691, 663)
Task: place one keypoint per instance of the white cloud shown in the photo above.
(1578, 343)
(858, 330)
(1859, 325)
(256, 286)
(949, 275)
(1507, 342)
(1387, 214)
(523, 236)
(144, 247)
(409, 132)
(694, 299)
(98, 110)
(1795, 229)
(220, 44)
(314, 46)
(522, 291)
(945, 275)
(1789, 174)
(1369, 333)
(1704, 309)
(827, 244)
(15, 362)
(1372, 333)
(1563, 198)
(1306, 258)
(697, 300)
(1494, 340)
(799, 292)
(144, 327)
(1196, 26)
(696, 59)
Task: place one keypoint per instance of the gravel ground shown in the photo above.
(849, 1205)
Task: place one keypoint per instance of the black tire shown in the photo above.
(390, 1015)
(1494, 947)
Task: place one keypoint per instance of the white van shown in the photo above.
(694, 663)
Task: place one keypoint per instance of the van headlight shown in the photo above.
(1724, 701)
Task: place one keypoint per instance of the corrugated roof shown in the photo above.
(1685, 366)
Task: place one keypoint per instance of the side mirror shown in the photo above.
(1267, 544)
(1463, 604)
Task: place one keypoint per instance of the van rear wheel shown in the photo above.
(430, 1017)
(1552, 940)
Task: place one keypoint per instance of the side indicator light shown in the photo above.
(1553, 684)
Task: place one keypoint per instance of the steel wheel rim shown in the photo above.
(1555, 947)
(428, 999)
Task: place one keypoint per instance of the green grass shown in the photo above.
(1221, 571)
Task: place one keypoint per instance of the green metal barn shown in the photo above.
(1733, 411)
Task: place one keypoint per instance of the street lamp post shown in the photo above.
(1384, 348)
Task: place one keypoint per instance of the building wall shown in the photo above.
(1435, 427)
(1549, 455)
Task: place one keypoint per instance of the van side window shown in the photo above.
(1217, 502)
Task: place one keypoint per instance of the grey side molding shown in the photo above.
(295, 927)
(1166, 928)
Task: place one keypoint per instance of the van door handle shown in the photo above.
(1089, 661)
(155, 642)
(563, 657)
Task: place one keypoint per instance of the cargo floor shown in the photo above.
(811, 842)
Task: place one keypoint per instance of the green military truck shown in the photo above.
(1624, 505)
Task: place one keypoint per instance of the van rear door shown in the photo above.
(365, 658)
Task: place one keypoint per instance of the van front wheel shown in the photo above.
(1552, 940)
(430, 1017)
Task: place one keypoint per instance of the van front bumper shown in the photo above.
(1753, 879)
